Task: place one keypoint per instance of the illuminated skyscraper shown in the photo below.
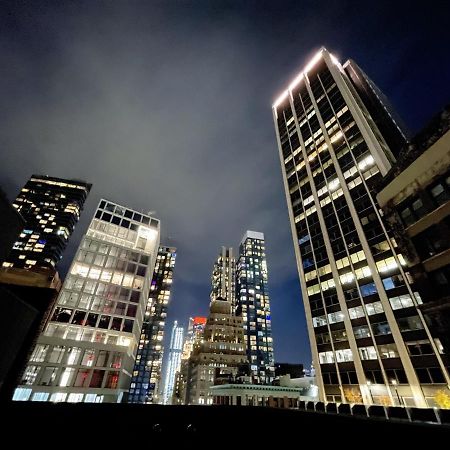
(223, 276)
(51, 207)
(173, 364)
(253, 303)
(219, 356)
(87, 350)
(147, 369)
(194, 334)
(361, 306)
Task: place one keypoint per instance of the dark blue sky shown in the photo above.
(166, 106)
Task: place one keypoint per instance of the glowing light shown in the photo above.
(314, 61)
(335, 61)
(280, 99)
(297, 80)
(316, 58)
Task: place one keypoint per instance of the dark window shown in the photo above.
(91, 320)
(62, 315)
(78, 317)
(116, 323)
(103, 322)
(131, 312)
(106, 217)
(97, 378)
(128, 326)
(116, 220)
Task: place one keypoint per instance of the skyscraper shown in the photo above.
(86, 352)
(352, 276)
(193, 338)
(51, 207)
(147, 369)
(378, 106)
(219, 356)
(173, 364)
(253, 303)
(196, 328)
(223, 276)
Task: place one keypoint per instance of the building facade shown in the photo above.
(194, 335)
(353, 276)
(87, 350)
(223, 276)
(416, 203)
(173, 363)
(378, 106)
(253, 304)
(147, 369)
(51, 207)
(219, 357)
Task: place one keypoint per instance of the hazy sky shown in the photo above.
(166, 106)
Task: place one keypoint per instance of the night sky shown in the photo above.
(165, 106)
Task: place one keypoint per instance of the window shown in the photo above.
(39, 353)
(410, 323)
(97, 378)
(344, 355)
(67, 377)
(56, 354)
(388, 351)
(22, 394)
(440, 193)
(319, 321)
(58, 397)
(419, 348)
(326, 357)
(367, 352)
(40, 397)
(374, 308)
(49, 376)
(88, 358)
(30, 374)
(401, 301)
(361, 332)
(356, 312)
(81, 379)
(381, 328)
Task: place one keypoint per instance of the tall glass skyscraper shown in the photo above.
(173, 364)
(361, 306)
(253, 303)
(87, 350)
(147, 369)
(223, 276)
(51, 207)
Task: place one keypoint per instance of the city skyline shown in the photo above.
(110, 129)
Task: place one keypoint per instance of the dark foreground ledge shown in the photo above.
(101, 424)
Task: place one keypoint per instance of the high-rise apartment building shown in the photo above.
(173, 363)
(87, 350)
(416, 203)
(147, 369)
(219, 357)
(253, 304)
(51, 207)
(223, 276)
(353, 277)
